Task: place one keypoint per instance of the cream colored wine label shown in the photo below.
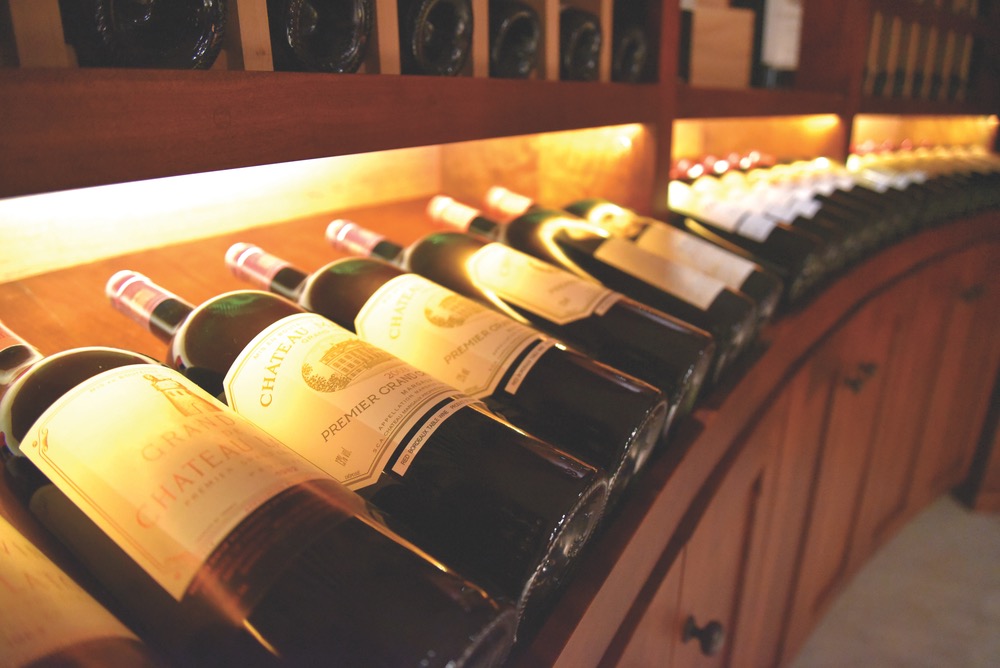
(162, 467)
(673, 244)
(691, 285)
(537, 286)
(447, 335)
(42, 610)
(343, 404)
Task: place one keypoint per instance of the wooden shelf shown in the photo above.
(66, 128)
(695, 102)
(909, 107)
(67, 308)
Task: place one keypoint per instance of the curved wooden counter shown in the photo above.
(755, 512)
(771, 487)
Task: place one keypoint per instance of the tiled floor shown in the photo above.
(930, 598)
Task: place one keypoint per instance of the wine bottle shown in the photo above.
(515, 36)
(630, 42)
(794, 255)
(594, 412)
(47, 619)
(224, 546)
(320, 36)
(839, 237)
(797, 204)
(777, 36)
(565, 240)
(579, 44)
(604, 324)
(672, 244)
(737, 272)
(501, 507)
(435, 36)
(170, 34)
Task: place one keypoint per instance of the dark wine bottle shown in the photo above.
(778, 30)
(630, 42)
(170, 34)
(320, 35)
(837, 240)
(507, 510)
(796, 256)
(579, 44)
(587, 250)
(594, 412)
(435, 36)
(515, 36)
(224, 546)
(47, 619)
(601, 323)
(736, 271)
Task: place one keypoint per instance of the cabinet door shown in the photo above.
(853, 356)
(964, 374)
(798, 420)
(917, 314)
(661, 627)
(722, 562)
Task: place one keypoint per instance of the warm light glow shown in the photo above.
(46, 232)
(873, 132)
(787, 137)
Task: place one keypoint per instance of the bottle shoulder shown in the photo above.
(52, 377)
(209, 340)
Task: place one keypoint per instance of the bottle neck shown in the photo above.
(506, 204)
(137, 297)
(263, 270)
(349, 237)
(457, 216)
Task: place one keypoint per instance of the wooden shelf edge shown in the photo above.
(73, 128)
(613, 574)
(694, 102)
(901, 107)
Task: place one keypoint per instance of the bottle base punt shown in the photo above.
(561, 555)
(647, 437)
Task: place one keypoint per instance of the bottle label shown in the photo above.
(159, 465)
(782, 28)
(345, 405)
(42, 610)
(693, 286)
(679, 246)
(537, 286)
(449, 336)
(737, 219)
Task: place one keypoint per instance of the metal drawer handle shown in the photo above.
(711, 637)
(864, 371)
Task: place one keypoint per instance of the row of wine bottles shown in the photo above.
(915, 60)
(808, 220)
(224, 531)
(462, 402)
(398, 457)
(434, 37)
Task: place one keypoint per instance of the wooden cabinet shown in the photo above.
(702, 608)
(837, 459)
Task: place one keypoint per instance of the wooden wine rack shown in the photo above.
(64, 127)
(37, 37)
